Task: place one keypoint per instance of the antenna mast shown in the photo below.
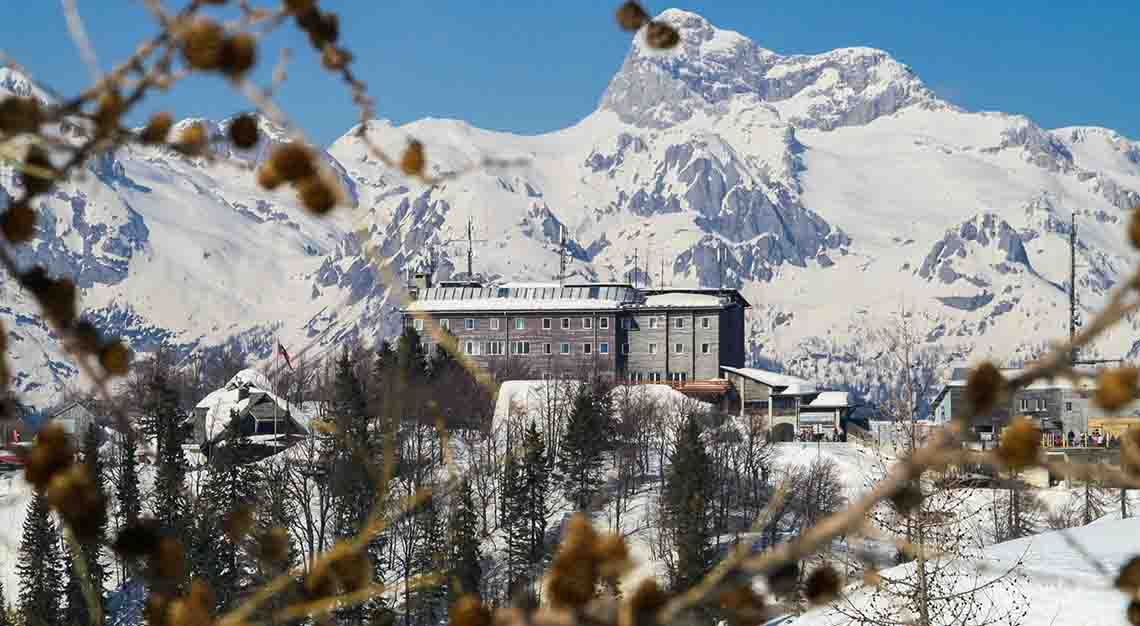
(634, 276)
(1073, 289)
(470, 244)
(720, 266)
(561, 254)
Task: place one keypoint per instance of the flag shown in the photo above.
(284, 353)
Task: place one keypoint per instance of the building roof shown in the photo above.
(732, 294)
(543, 296)
(773, 379)
(219, 403)
(683, 300)
(831, 399)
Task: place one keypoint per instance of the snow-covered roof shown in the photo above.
(511, 304)
(1087, 381)
(772, 379)
(831, 399)
(220, 403)
(680, 299)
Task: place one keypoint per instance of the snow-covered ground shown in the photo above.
(1065, 584)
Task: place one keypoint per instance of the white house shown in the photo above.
(259, 416)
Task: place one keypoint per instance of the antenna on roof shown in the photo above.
(1073, 321)
(633, 276)
(720, 266)
(561, 254)
(471, 241)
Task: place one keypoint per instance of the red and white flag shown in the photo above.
(284, 353)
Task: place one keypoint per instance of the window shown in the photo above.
(603, 323)
(655, 377)
(520, 323)
(678, 348)
(587, 348)
(587, 322)
(625, 348)
(445, 324)
(469, 348)
(652, 348)
(626, 324)
(704, 348)
(1041, 406)
(546, 348)
(679, 322)
(566, 323)
(678, 377)
(706, 322)
(546, 323)
(652, 323)
(1025, 404)
(469, 324)
(603, 348)
(494, 348)
(418, 324)
(520, 347)
(564, 348)
(1068, 407)
(504, 292)
(494, 323)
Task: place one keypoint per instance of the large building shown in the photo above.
(611, 330)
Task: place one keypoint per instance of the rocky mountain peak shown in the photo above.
(713, 67)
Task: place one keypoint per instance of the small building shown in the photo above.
(74, 417)
(258, 417)
(1059, 406)
(793, 406)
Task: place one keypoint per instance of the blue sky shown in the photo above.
(530, 67)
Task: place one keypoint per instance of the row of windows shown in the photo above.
(495, 348)
(520, 323)
(548, 323)
(1027, 404)
(656, 377)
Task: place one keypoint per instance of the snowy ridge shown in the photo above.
(840, 187)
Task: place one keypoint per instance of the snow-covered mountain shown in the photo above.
(841, 187)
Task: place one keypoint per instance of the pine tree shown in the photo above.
(686, 492)
(525, 485)
(39, 568)
(580, 457)
(463, 538)
(127, 493)
(429, 600)
(4, 620)
(170, 502)
(78, 611)
(352, 454)
(535, 480)
(222, 559)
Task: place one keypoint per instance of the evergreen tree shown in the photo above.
(580, 457)
(526, 511)
(4, 620)
(39, 568)
(513, 520)
(96, 575)
(127, 491)
(223, 559)
(688, 483)
(352, 455)
(429, 600)
(170, 502)
(535, 481)
(463, 539)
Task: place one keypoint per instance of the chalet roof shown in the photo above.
(67, 406)
(219, 403)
